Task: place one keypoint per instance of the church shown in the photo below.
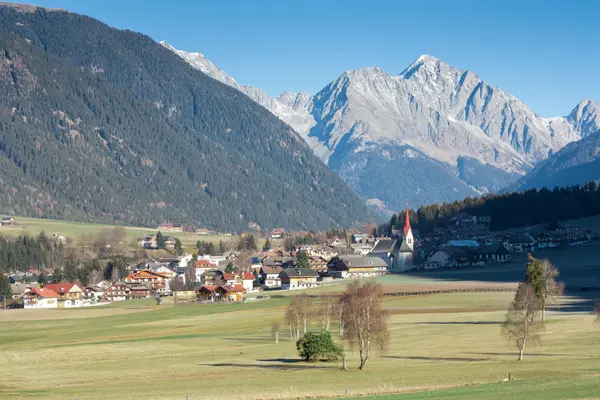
(397, 253)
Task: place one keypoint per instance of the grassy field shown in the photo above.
(445, 346)
(33, 226)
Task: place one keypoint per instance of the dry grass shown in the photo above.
(141, 351)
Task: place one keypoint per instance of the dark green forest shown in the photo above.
(104, 125)
(509, 210)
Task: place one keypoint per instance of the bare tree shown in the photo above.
(298, 314)
(523, 323)
(541, 274)
(328, 309)
(275, 328)
(364, 319)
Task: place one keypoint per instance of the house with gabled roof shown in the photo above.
(40, 298)
(158, 282)
(69, 294)
(269, 277)
(356, 267)
(298, 278)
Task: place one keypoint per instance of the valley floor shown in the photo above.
(445, 346)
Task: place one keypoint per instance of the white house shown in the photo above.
(40, 298)
(269, 277)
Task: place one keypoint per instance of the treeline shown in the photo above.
(508, 210)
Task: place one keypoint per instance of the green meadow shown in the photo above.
(445, 346)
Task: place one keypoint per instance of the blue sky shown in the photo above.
(544, 52)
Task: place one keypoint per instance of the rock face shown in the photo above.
(432, 133)
(576, 163)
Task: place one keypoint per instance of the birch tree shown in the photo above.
(523, 322)
(327, 310)
(364, 319)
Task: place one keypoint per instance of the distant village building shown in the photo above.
(397, 253)
(40, 298)
(277, 233)
(356, 267)
(298, 278)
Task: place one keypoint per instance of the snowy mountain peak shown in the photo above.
(432, 133)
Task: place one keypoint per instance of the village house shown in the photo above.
(201, 267)
(170, 242)
(207, 293)
(140, 290)
(452, 257)
(277, 233)
(148, 242)
(492, 252)
(269, 277)
(521, 243)
(229, 293)
(248, 280)
(356, 267)
(93, 293)
(318, 264)
(298, 278)
(158, 283)
(117, 292)
(69, 294)
(40, 298)
(283, 262)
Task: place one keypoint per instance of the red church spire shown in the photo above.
(406, 222)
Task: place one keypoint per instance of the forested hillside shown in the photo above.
(509, 210)
(103, 125)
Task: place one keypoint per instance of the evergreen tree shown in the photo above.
(42, 279)
(57, 275)
(267, 245)
(160, 240)
(5, 288)
(222, 248)
(70, 272)
(302, 259)
(230, 268)
(178, 247)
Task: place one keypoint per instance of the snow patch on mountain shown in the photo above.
(430, 111)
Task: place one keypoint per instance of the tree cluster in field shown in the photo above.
(508, 210)
(89, 260)
(108, 126)
(358, 312)
(526, 314)
(247, 243)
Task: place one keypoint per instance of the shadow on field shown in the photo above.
(420, 358)
(255, 340)
(450, 323)
(527, 354)
(579, 271)
(289, 365)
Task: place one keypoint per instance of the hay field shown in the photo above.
(33, 226)
(442, 346)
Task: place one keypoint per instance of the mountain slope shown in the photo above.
(576, 163)
(104, 125)
(444, 114)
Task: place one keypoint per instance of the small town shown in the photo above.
(464, 242)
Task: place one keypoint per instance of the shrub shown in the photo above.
(318, 346)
